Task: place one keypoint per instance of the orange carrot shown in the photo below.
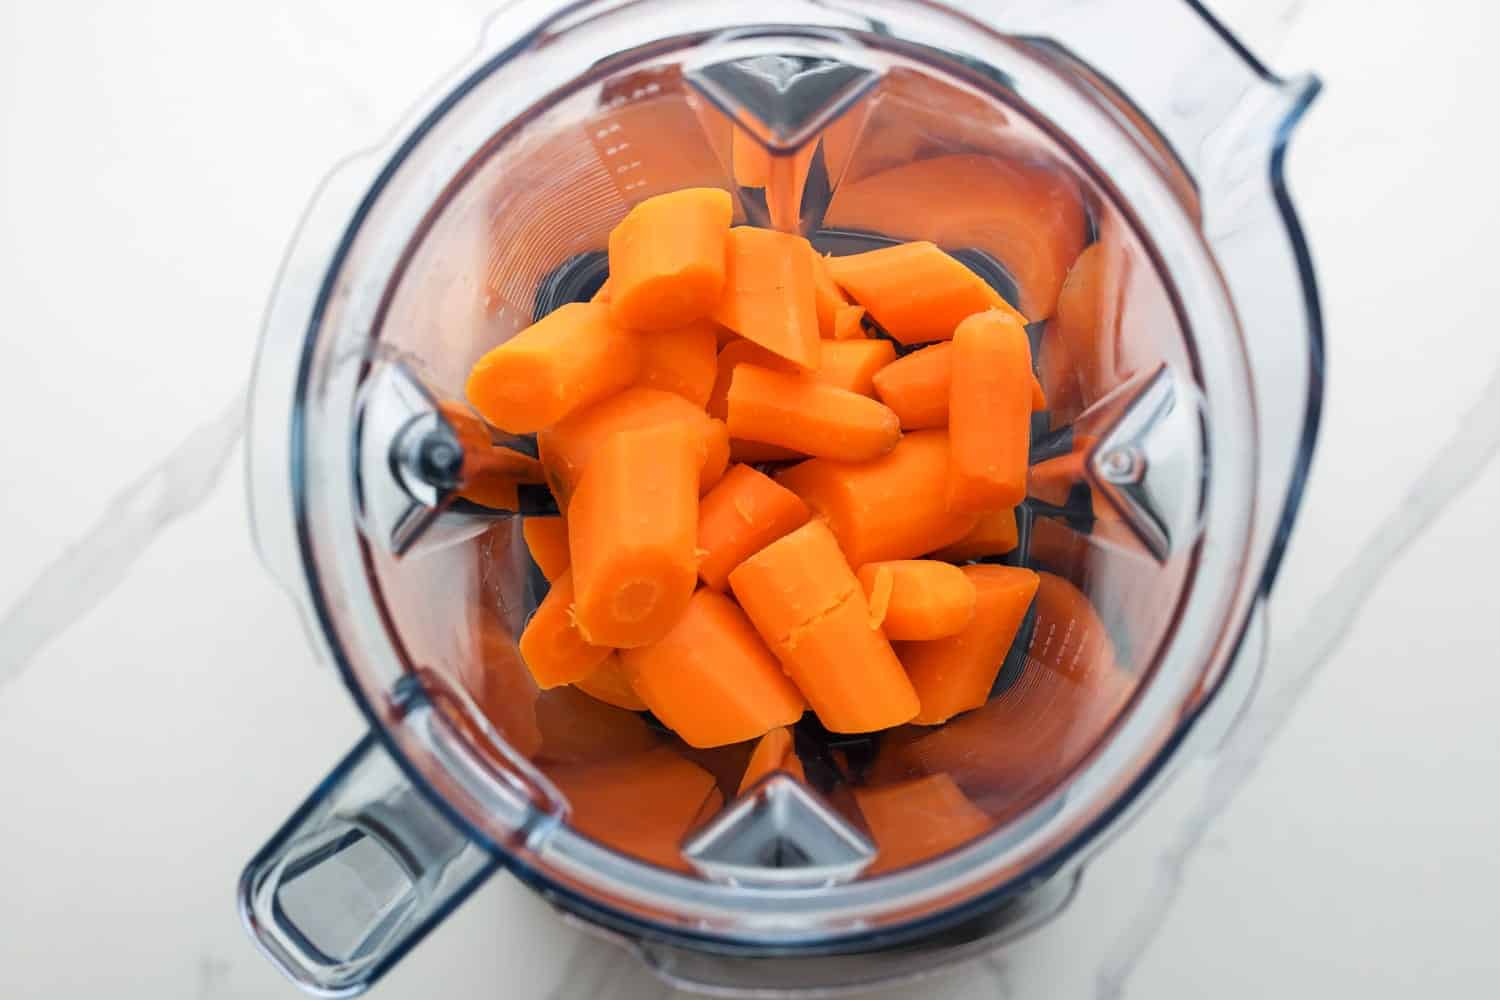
(994, 535)
(577, 728)
(803, 414)
(731, 355)
(890, 508)
(642, 805)
(829, 299)
(682, 360)
(852, 364)
(711, 679)
(917, 387)
(806, 602)
(915, 291)
(667, 259)
(955, 674)
(547, 541)
(632, 525)
(848, 323)
(769, 296)
(922, 599)
(572, 357)
(609, 684)
(989, 413)
(569, 447)
(552, 644)
(917, 820)
(774, 752)
(742, 515)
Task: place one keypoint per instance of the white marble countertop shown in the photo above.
(163, 715)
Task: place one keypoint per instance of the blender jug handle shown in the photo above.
(364, 868)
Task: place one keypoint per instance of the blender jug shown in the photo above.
(1126, 198)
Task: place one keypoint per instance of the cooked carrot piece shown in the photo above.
(989, 413)
(609, 684)
(891, 508)
(632, 529)
(829, 299)
(577, 728)
(916, 820)
(742, 515)
(733, 354)
(801, 413)
(569, 447)
(924, 599)
(848, 323)
(547, 541)
(955, 674)
(570, 358)
(1027, 738)
(915, 291)
(807, 604)
(769, 296)
(554, 648)
(682, 360)
(994, 535)
(774, 752)
(667, 259)
(711, 679)
(642, 805)
(916, 387)
(852, 364)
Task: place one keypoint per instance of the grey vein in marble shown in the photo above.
(89, 569)
(1295, 664)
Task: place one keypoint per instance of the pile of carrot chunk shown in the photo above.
(764, 492)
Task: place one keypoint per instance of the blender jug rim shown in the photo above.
(1232, 617)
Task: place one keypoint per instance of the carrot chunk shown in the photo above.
(609, 684)
(711, 679)
(916, 387)
(742, 515)
(848, 323)
(733, 354)
(682, 360)
(916, 820)
(805, 415)
(924, 599)
(667, 259)
(994, 535)
(554, 648)
(915, 291)
(547, 541)
(641, 805)
(891, 508)
(955, 674)
(769, 295)
(632, 528)
(570, 358)
(807, 604)
(773, 752)
(568, 448)
(852, 364)
(829, 299)
(989, 413)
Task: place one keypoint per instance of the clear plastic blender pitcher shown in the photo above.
(1111, 166)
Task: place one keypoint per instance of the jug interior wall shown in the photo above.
(918, 155)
